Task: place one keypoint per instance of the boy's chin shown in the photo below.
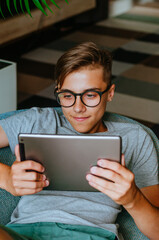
(82, 129)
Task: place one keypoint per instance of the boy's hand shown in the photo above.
(114, 180)
(20, 181)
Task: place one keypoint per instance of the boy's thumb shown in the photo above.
(17, 153)
(123, 160)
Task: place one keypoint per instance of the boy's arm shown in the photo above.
(3, 168)
(16, 179)
(3, 138)
(145, 211)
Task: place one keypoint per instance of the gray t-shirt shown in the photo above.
(85, 208)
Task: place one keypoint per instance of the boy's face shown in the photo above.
(82, 118)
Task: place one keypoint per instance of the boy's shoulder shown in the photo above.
(40, 112)
(124, 126)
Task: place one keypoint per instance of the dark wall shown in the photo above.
(95, 15)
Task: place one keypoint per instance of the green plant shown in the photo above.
(24, 6)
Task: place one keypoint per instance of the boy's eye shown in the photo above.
(91, 94)
(67, 95)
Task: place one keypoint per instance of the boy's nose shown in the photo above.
(79, 106)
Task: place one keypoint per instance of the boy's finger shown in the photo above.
(30, 165)
(123, 160)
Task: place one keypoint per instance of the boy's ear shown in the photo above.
(111, 93)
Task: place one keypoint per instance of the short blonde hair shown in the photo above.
(84, 55)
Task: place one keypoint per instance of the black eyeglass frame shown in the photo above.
(80, 94)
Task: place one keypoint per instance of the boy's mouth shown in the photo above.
(80, 119)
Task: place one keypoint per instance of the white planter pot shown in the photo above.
(8, 86)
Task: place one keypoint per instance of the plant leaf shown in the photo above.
(21, 5)
(27, 7)
(38, 5)
(1, 12)
(44, 2)
(55, 3)
(26, 2)
(15, 5)
(8, 6)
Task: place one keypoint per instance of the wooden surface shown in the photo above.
(19, 26)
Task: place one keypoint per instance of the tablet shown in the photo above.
(67, 159)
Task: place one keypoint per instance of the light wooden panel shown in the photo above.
(19, 26)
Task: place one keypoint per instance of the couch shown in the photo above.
(125, 221)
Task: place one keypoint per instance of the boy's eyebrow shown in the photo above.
(88, 89)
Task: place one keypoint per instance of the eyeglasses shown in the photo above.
(90, 98)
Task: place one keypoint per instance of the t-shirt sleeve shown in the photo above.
(18, 123)
(145, 165)
(34, 120)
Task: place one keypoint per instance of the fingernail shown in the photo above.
(88, 177)
(93, 170)
(47, 183)
(44, 177)
(100, 163)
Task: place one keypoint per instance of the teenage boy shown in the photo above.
(83, 90)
